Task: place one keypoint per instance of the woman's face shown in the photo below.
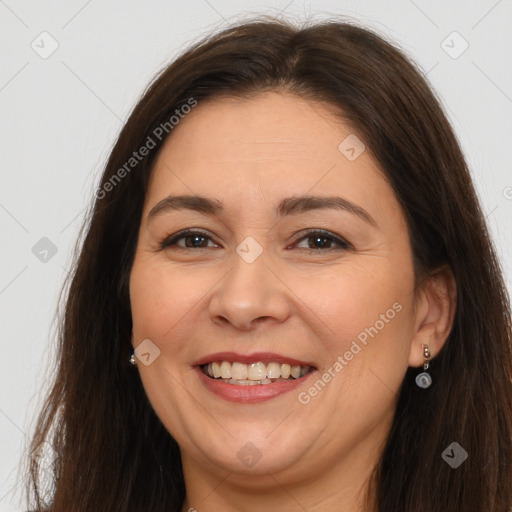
(298, 257)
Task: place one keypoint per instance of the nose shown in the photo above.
(250, 294)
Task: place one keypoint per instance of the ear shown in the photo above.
(434, 312)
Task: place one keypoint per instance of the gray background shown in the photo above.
(60, 116)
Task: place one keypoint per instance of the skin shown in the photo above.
(306, 304)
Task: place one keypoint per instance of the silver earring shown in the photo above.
(132, 360)
(424, 380)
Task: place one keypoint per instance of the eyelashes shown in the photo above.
(320, 236)
(318, 240)
(186, 234)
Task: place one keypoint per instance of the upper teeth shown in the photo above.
(254, 371)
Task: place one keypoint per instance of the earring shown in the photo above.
(132, 359)
(424, 380)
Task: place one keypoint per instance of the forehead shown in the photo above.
(269, 126)
(267, 146)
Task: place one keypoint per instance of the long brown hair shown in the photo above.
(113, 453)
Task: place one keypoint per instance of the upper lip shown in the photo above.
(254, 357)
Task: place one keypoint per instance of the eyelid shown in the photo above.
(341, 242)
(170, 240)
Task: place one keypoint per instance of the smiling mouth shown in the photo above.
(253, 374)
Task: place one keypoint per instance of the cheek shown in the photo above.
(161, 299)
(361, 295)
(365, 314)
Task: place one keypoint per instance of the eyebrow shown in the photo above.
(288, 206)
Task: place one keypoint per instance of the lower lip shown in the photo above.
(250, 394)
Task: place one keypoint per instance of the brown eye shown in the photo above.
(188, 239)
(322, 240)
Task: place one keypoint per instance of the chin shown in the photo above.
(249, 452)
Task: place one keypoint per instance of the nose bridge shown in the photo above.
(249, 291)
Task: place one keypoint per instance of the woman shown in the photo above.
(286, 297)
